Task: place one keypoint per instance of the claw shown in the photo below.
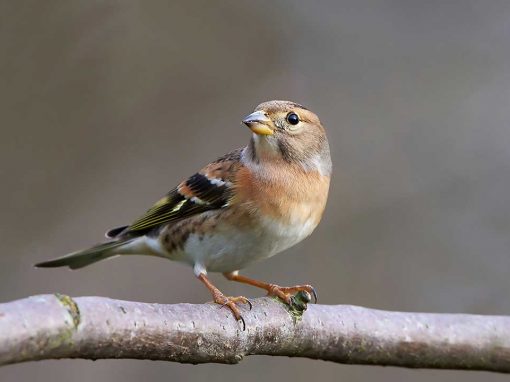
(314, 293)
(230, 302)
(244, 323)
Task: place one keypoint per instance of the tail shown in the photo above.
(86, 257)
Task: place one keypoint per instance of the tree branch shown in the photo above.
(57, 326)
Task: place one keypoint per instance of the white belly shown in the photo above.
(233, 249)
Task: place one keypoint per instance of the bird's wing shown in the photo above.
(208, 189)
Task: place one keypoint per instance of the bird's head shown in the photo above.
(287, 131)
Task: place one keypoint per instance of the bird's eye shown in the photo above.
(293, 118)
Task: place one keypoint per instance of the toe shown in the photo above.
(231, 303)
(277, 291)
(237, 314)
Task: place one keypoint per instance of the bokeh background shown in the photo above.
(105, 105)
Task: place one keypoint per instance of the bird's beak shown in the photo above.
(259, 123)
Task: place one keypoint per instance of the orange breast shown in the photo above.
(291, 196)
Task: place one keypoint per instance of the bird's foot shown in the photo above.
(296, 297)
(231, 303)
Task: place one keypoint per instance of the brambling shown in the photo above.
(248, 205)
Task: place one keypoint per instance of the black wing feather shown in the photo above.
(205, 195)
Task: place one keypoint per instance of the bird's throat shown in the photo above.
(264, 148)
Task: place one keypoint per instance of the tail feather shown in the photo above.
(88, 256)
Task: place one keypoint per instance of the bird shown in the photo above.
(245, 206)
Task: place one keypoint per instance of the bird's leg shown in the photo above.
(284, 293)
(221, 299)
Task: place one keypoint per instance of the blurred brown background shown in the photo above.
(105, 105)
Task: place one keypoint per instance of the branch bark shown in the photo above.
(58, 326)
